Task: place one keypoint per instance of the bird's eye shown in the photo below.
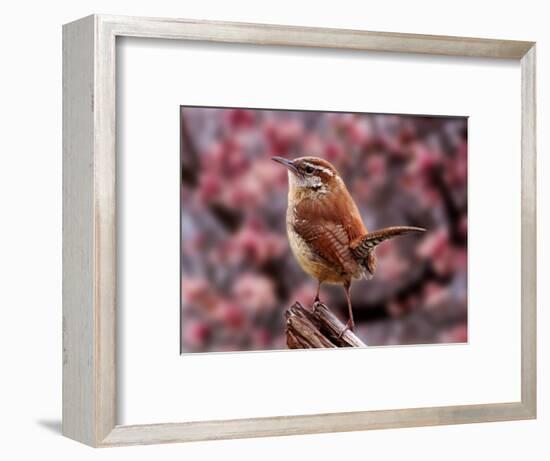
(309, 169)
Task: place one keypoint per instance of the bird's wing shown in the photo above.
(328, 232)
(327, 240)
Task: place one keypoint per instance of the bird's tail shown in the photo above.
(362, 246)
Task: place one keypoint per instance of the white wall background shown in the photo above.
(30, 235)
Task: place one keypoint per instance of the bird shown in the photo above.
(326, 233)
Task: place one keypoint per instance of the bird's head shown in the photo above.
(310, 173)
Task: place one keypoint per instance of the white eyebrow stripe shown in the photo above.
(321, 168)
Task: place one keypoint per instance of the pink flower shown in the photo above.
(424, 159)
(194, 333)
(209, 187)
(406, 135)
(312, 144)
(198, 292)
(252, 242)
(434, 294)
(391, 266)
(456, 171)
(252, 188)
(444, 262)
(434, 244)
(457, 334)
(460, 260)
(192, 289)
(376, 165)
(240, 118)
(268, 173)
(376, 170)
(255, 292)
(387, 248)
(225, 158)
(231, 314)
(246, 191)
(283, 133)
(334, 152)
(358, 131)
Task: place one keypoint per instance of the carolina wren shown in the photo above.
(325, 230)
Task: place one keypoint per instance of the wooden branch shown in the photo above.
(316, 327)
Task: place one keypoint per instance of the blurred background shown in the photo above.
(237, 272)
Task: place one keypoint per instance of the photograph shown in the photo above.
(318, 229)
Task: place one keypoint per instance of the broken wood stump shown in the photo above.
(317, 327)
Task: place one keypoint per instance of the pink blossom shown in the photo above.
(444, 261)
(457, 334)
(460, 260)
(255, 292)
(282, 134)
(334, 152)
(391, 266)
(358, 131)
(423, 159)
(231, 314)
(245, 192)
(240, 118)
(193, 289)
(406, 135)
(313, 144)
(434, 294)
(376, 170)
(209, 187)
(388, 247)
(434, 244)
(376, 165)
(198, 292)
(194, 333)
(456, 172)
(268, 173)
(254, 243)
(437, 248)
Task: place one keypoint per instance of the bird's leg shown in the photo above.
(317, 300)
(318, 289)
(350, 325)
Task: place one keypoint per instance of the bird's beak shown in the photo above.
(288, 163)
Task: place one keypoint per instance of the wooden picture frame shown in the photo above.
(89, 232)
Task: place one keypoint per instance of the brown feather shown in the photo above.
(328, 223)
(362, 246)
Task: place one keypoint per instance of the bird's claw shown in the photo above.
(316, 302)
(349, 326)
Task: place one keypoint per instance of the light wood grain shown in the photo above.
(79, 340)
(313, 424)
(528, 233)
(89, 229)
(270, 34)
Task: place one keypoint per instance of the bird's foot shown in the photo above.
(316, 302)
(350, 325)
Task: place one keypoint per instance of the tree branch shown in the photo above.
(316, 328)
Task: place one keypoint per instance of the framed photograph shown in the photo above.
(274, 230)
